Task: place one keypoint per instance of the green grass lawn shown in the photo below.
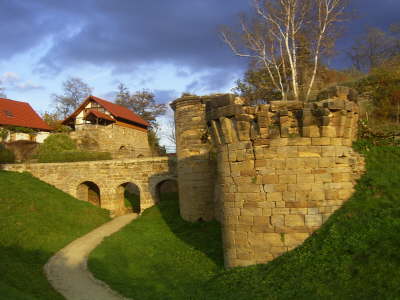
(355, 254)
(159, 256)
(36, 220)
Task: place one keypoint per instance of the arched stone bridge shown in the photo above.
(104, 181)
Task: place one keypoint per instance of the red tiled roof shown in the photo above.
(116, 110)
(120, 111)
(100, 115)
(16, 113)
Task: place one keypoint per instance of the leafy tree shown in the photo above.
(288, 38)
(386, 90)
(141, 102)
(52, 119)
(154, 143)
(75, 90)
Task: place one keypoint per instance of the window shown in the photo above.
(8, 113)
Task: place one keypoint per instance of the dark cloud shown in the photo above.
(127, 35)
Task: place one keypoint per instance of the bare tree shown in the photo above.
(75, 90)
(170, 131)
(272, 39)
(141, 102)
(372, 49)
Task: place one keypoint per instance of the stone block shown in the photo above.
(318, 195)
(313, 211)
(299, 187)
(299, 141)
(294, 220)
(279, 142)
(251, 211)
(322, 141)
(278, 251)
(311, 131)
(262, 228)
(246, 220)
(298, 211)
(287, 179)
(289, 196)
(278, 220)
(274, 196)
(280, 211)
(248, 188)
(262, 220)
(313, 220)
(328, 131)
(273, 239)
(305, 178)
(295, 239)
(270, 179)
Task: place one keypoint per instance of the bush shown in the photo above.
(57, 142)
(61, 148)
(6, 156)
(71, 156)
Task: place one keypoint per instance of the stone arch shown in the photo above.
(90, 192)
(128, 196)
(164, 185)
(140, 156)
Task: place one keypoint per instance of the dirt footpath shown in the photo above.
(67, 269)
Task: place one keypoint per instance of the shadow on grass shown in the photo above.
(202, 236)
(22, 275)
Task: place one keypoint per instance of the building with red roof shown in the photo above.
(101, 125)
(16, 117)
(20, 114)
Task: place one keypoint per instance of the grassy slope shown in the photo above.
(36, 220)
(355, 255)
(159, 256)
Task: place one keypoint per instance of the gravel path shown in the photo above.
(67, 269)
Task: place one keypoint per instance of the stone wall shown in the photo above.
(121, 142)
(283, 169)
(195, 169)
(108, 176)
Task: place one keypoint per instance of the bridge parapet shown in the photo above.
(145, 173)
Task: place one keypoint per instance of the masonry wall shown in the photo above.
(282, 168)
(195, 169)
(121, 142)
(146, 173)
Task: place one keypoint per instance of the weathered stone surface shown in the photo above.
(108, 176)
(288, 165)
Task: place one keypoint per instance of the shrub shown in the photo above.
(6, 156)
(57, 142)
(61, 148)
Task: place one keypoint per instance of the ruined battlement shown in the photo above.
(271, 173)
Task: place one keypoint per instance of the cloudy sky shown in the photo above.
(168, 47)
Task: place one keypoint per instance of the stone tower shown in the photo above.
(283, 169)
(196, 171)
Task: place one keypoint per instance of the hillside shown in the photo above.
(354, 255)
(36, 220)
(159, 255)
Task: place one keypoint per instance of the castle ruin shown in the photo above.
(271, 174)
